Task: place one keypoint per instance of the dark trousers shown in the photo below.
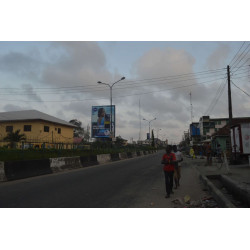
(169, 176)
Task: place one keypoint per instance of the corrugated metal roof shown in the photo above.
(30, 115)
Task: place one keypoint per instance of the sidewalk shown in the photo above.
(236, 178)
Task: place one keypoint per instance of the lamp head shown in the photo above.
(123, 78)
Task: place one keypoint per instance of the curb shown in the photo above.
(216, 193)
(236, 189)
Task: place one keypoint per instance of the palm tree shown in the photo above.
(14, 137)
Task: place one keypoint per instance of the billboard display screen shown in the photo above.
(245, 133)
(100, 121)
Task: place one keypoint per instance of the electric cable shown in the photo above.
(240, 89)
(237, 53)
(185, 86)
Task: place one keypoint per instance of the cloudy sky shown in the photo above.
(60, 78)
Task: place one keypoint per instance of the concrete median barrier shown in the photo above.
(103, 158)
(134, 154)
(2, 172)
(24, 169)
(87, 161)
(64, 163)
(123, 156)
(115, 157)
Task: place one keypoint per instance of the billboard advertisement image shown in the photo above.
(100, 121)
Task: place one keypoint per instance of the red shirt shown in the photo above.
(168, 157)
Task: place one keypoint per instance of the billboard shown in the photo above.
(245, 133)
(194, 130)
(100, 121)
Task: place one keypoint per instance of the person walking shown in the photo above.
(218, 153)
(169, 161)
(209, 154)
(177, 169)
(191, 152)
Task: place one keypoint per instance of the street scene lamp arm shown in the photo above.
(99, 82)
(118, 81)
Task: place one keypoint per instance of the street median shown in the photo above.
(24, 169)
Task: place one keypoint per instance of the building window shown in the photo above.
(27, 128)
(46, 129)
(9, 128)
(59, 130)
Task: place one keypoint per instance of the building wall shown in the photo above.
(209, 126)
(57, 133)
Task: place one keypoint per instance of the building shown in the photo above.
(209, 126)
(40, 129)
(222, 136)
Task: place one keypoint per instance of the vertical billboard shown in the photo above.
(245, 133)
(100, 121)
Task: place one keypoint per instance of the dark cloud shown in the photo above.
(31, 94)
(11, 107)
(21, 65)
(81, 63)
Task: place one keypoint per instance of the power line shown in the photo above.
(240, 57)
(132, 81)
(243, 64)
(161, 90)
(240, 89)
(118, 88)
(240, 73)
(237, 53)
(216, 97)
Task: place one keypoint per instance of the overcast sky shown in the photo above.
(60, 79)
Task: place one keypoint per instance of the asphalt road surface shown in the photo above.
(131, 183)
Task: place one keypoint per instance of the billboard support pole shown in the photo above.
(111, 130)
(111, 86)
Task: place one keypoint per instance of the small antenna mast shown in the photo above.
(140, 118)
(191, 107)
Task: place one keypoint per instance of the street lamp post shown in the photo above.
(149, 124)
(158, 132)
(111, 86)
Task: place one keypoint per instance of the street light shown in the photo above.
(149, 124)
(158, 132)
(111, 86)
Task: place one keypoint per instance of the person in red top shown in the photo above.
(169, 161)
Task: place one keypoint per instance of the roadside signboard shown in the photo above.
(100, 121)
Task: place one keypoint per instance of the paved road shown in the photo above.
(132, 183)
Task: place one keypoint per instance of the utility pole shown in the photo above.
(229, 97)
(229, 108)
(140, 118)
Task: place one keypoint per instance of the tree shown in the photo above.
(120, 141)
(14, 138)
(153, 138)
(78, 130)
(87, 134)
